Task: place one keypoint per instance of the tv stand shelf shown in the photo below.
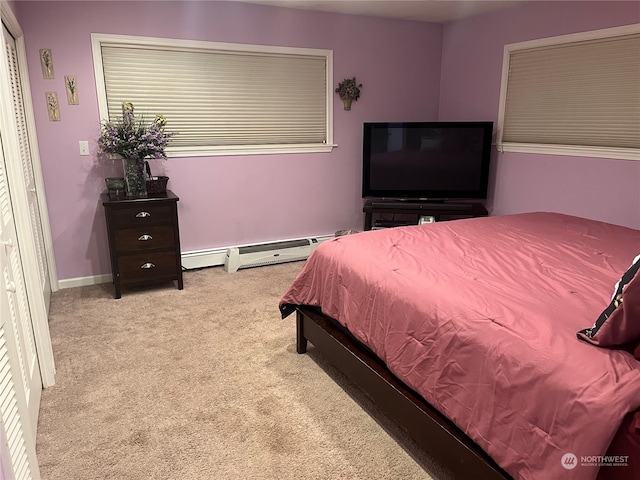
(377, 212)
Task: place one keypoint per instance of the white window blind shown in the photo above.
(575, 95)
(222, 98)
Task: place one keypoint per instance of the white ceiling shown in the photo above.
(438, 11)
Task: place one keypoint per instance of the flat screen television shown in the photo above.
(426, 160)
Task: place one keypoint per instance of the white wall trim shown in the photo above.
(194, 259)
(13, 26)
(20, 201)
(85, 281)
(572, 150)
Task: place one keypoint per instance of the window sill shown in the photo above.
(572, 150)
(246, 150)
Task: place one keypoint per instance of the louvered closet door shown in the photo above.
(18, 412)
(17, 324)
(27, 165)
(16, 459)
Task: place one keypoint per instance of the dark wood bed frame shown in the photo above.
(433, 432)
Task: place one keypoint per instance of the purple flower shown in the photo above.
(131, 139)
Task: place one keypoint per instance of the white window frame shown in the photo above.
(193, 151)
(569, 150)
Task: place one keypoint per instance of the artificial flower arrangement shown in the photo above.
(135, 142)
(133, 139)
(348, 90)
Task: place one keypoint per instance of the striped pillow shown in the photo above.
(619, 323)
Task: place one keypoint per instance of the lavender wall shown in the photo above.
(601, 189)
(223, 200)
(447, 73)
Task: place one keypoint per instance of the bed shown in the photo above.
(481, 338)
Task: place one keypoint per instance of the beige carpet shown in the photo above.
(205, 383)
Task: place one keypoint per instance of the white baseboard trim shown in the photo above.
(212, 257)
(84, 281)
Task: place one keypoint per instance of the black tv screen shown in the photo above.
(426, 160)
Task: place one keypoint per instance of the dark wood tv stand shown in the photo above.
(394, 213)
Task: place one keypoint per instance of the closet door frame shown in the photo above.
(20, 199)
(12, 25)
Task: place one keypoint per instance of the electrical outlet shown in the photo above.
(84, 147)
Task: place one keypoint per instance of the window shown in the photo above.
(221, 99)
(573, 95)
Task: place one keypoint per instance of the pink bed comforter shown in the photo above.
(480, 317)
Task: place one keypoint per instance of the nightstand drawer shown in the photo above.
(142, 215)
(144, 238)
(141, 268)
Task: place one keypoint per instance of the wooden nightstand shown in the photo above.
(144, 240)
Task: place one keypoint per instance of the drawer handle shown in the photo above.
(143, 214)
(147, 265)
(145, 237)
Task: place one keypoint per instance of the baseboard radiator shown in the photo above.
(268, 253)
